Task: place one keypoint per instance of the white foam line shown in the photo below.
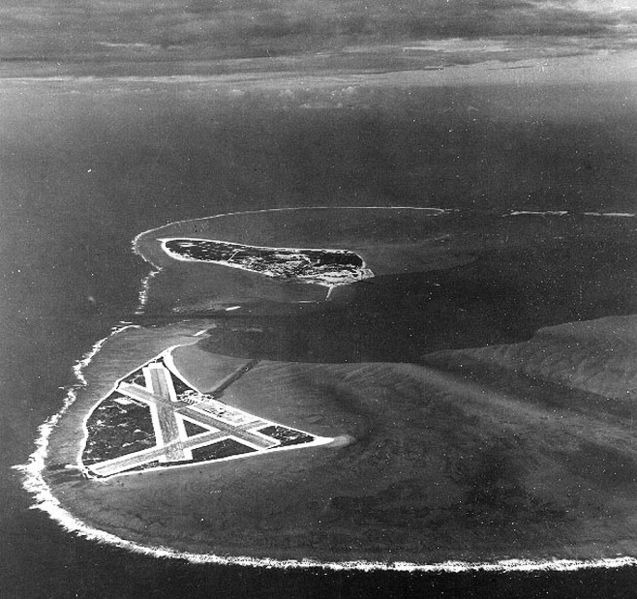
(611, 214)
(434, 211)
(538, 213)
(34, 483)
(47, 503)
(44, 500)
(142, 298)
(568, 213)
(84, 361)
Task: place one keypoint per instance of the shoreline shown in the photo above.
(45, 501)
(34, 481)
(324, 280)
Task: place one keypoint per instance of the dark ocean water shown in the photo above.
(85, 166)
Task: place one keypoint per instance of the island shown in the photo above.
(465, 393)
(323, 267)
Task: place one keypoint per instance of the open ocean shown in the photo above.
(85, 165)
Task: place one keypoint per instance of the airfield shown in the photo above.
(472, 400)
(186, 423)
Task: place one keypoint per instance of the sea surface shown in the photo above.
(87, 164)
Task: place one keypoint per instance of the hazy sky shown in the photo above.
(467, 30)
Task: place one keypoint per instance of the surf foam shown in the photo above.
(44, 500)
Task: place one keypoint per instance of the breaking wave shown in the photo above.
(34, 483)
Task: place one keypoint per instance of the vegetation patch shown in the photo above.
(118, 426)
(323, 267)
(221, 449)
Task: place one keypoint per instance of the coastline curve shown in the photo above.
(35, 484)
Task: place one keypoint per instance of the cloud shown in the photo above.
(234, 28)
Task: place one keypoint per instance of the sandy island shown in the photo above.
(463, 420)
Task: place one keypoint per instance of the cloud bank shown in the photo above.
(139, 30)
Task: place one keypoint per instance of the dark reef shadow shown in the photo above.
(502, 297)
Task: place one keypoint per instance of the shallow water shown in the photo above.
(84, 167)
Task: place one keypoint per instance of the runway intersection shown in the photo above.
(190, 426)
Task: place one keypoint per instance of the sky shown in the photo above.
(434, 32)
